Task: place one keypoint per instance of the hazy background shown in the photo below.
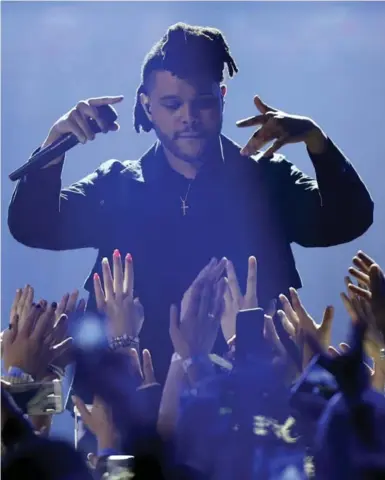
(324, 60)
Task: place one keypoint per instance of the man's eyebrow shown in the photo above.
(170, 97)
(176, 97)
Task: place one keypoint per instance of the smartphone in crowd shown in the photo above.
(38, 398)
(250, 334)
(120, 467)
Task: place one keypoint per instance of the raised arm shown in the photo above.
(43, 215)
(69, 218)
(333, 209)
(336, 207)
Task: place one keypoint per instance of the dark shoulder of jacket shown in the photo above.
(116, 172)
(115, 168)
(118, 181)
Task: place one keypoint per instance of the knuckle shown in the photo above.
(73, 114)
(81, 105)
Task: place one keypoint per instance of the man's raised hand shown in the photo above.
(75, 122)
(280, 128)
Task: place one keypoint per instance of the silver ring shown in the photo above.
(382, 354)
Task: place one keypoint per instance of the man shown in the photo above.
(195, 194)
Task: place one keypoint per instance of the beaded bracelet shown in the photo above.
(123, 341)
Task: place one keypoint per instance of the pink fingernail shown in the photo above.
(116, 253)
(96, 276)
(129, 257)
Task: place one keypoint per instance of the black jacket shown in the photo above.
(239, 206)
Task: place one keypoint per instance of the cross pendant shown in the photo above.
(184, 207)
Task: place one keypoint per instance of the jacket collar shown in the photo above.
(154, 164)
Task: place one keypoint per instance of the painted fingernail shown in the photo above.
(129, 257)
(105, 260)
(96, 276)
(54, 305)
(116, 253)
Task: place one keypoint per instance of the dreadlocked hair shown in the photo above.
(183, 51)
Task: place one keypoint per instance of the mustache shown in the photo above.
(192, 132)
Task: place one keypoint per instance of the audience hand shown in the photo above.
(41, 424)
(197, 330)
(235, 300)
(74, 311)
(214, 270)
(376, 377)
(70, 306)
(35, 344)
(297, 322)
(125, 314)
(146, 373)
(359, 309)
(371, 287)
(100, 422)
(22, 304)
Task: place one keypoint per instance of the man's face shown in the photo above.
(186, 114)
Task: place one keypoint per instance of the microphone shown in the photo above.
(61, 145)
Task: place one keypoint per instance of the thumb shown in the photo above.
(327, 320)
(262, 106)
(148, 369)
(135, 367)
(174, 320)
(139, 307)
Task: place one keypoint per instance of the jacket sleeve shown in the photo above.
(333, 209)
(43, 215)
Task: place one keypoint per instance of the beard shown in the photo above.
(191, 150)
